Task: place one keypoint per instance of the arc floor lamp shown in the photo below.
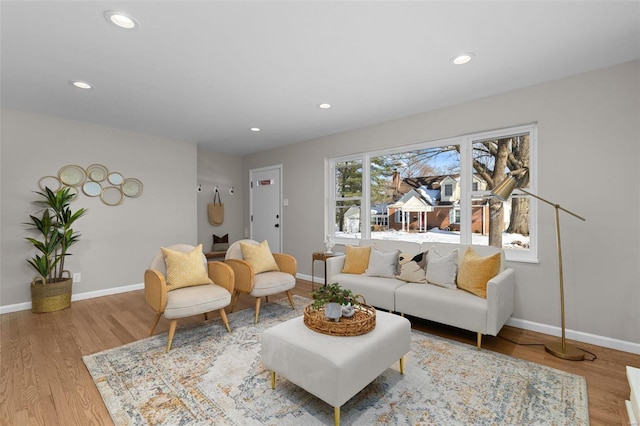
(503, 192)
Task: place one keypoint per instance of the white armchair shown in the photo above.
(261, 284)
(187, 301)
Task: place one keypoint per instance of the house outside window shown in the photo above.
(438, 191)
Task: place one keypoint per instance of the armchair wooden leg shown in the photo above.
(291, 300)
(223, 315)
(234, 300)
(172, 331)
(155, 323)
(257, 309)
(336, 416)
(479, 340)
(206, 316)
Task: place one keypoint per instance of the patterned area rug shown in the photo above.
(214, 377)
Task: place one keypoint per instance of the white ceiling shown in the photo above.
(208, 71)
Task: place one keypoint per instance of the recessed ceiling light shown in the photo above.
(255, 129)
(120, 19)
(81, 84)
(462, 59)
(324, 106)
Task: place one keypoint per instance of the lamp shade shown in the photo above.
(505, 188)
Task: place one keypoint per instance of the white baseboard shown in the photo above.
(25, 306)
(579, 336)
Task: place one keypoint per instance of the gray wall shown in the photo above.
(117, 243)
(225, 171)
(588, 128)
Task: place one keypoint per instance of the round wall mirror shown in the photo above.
(115, 178)
(51, 182)
(92, 189)
(72, 175)
(97, 172)
(132, 187)
(111, 196)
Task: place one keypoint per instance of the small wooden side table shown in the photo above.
(321, 256)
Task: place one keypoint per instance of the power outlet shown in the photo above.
(77, 277)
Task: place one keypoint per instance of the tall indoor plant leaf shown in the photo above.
(56, 235)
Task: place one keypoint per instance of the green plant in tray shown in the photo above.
(333, 293)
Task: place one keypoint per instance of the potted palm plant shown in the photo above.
(51, 288)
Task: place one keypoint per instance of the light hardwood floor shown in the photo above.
(43, 380)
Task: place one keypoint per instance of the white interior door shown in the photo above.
(265, 201)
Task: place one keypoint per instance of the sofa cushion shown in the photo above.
(412, 267)
(185, 269)
(453, 307)
(259, 256)
(441, 270)
(475, 272)
(377, 291)
(382, 263)
(356, 259)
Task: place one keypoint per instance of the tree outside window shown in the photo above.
(438, 192)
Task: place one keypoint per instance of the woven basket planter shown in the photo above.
(50, 297)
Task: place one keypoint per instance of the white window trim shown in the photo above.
(466, 192)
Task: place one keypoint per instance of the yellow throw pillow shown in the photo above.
(185, 269)
(259, 256)
(356, 259)
(475, 272)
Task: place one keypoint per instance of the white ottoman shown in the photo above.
(334, 368)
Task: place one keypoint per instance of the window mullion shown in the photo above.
(365, 204)
(466, 173)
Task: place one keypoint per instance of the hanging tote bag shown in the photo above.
(216, 210)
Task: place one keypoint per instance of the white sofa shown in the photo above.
(454, 307)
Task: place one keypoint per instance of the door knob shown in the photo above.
(277, 225)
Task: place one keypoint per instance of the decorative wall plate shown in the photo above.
(97, 172)
(72, 175)
(132, 187)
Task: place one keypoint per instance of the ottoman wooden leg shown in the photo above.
(479, 340)
(273, 379)
(336, 416)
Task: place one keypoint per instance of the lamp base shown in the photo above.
(569, 352)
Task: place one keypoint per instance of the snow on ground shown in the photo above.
(510, 241)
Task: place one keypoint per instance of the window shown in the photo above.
(448, 190)
(438, 191)
(454, 216)
(347, 183)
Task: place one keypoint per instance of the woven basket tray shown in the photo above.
(362, 321)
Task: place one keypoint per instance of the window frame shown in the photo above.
(465, 186)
